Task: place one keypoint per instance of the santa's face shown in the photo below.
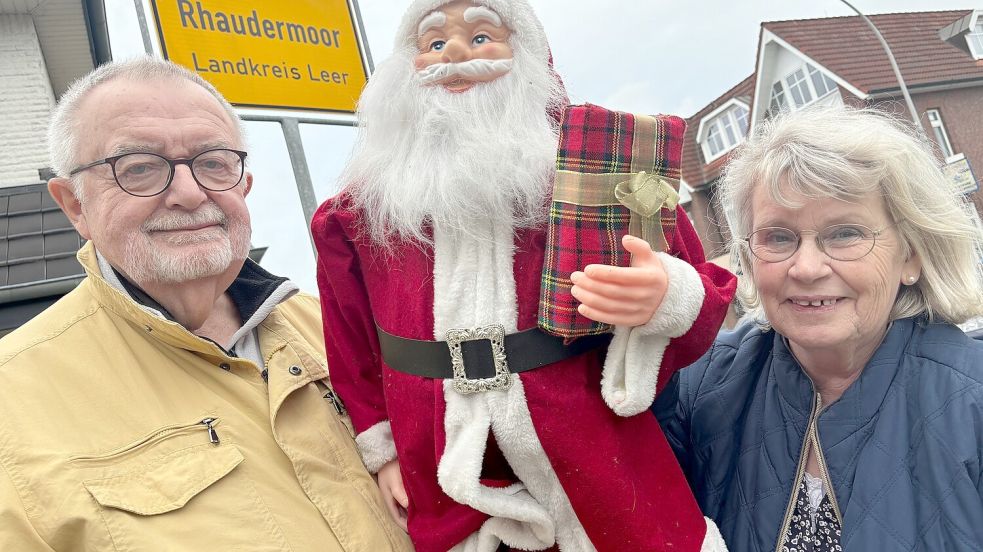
(456, 133)
(462, 44)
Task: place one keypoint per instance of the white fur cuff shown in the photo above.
(712, 541)
(376, 446)
(682, 302)
(631, 369)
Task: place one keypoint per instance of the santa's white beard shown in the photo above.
(426, 156)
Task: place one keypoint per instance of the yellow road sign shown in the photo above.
(296, 54)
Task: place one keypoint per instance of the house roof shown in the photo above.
(694, 172)
(850, 49)
(37, 241)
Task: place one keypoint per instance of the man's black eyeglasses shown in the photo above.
(149, 174)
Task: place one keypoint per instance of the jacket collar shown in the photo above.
(255, 292)
(861, 401)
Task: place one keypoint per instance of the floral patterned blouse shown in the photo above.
(814, 527)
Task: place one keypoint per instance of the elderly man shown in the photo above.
(178, 399)
(441, 231)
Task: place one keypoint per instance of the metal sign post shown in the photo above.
(302, 174)
(144, 28)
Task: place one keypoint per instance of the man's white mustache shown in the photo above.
(206, 215)
(475, 68)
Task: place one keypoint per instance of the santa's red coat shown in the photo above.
(619, 473)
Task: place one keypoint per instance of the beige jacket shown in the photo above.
(103, 444)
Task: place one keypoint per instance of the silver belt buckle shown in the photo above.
(494, 333)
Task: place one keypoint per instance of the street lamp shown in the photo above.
(894, 65)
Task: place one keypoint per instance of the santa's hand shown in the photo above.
(623, 296)
(393, 493)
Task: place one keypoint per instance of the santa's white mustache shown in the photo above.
(473, 69)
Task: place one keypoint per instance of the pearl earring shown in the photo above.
(911, 280)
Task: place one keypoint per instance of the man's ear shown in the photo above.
(248, 185)
(63, 193)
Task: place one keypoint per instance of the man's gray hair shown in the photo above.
(848, 153)
(63, 138)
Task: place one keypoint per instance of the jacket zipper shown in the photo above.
(209, 424)
(212, 434)
(823, 471)
(811, 440)
(335, 401)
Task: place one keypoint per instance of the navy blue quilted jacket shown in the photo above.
(903, 445)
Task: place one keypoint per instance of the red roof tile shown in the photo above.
(850, 49)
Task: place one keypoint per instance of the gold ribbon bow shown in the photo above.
(645, 195)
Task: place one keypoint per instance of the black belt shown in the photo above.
(481, 355)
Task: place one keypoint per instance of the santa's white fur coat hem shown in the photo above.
(536, 513)
(376, 446)
(631, 369)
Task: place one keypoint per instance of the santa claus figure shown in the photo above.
(440, 232)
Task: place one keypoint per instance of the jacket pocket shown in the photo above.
(177, 488)
(166, 485)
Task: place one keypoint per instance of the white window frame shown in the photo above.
(828, 83)
(974, 39)
(743, 129)
(721, 128)
(785, 96)
(777, 99)
(941, 136)
(715, 139)
(799, 88)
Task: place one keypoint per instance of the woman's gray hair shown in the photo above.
(63, 138)
(848, 153)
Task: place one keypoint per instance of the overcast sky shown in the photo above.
(646, 56)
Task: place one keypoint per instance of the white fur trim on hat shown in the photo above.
(376, 446)
(631, 369)
(517, 15)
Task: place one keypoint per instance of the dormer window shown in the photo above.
(798, 89)
(975, 41)
(966, 33)
(724, 130)
(822, 84)
(777, 103)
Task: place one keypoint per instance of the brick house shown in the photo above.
(839, 60)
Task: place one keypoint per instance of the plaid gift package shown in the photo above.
(617, 174)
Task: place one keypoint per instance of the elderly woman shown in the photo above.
(850, 417)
